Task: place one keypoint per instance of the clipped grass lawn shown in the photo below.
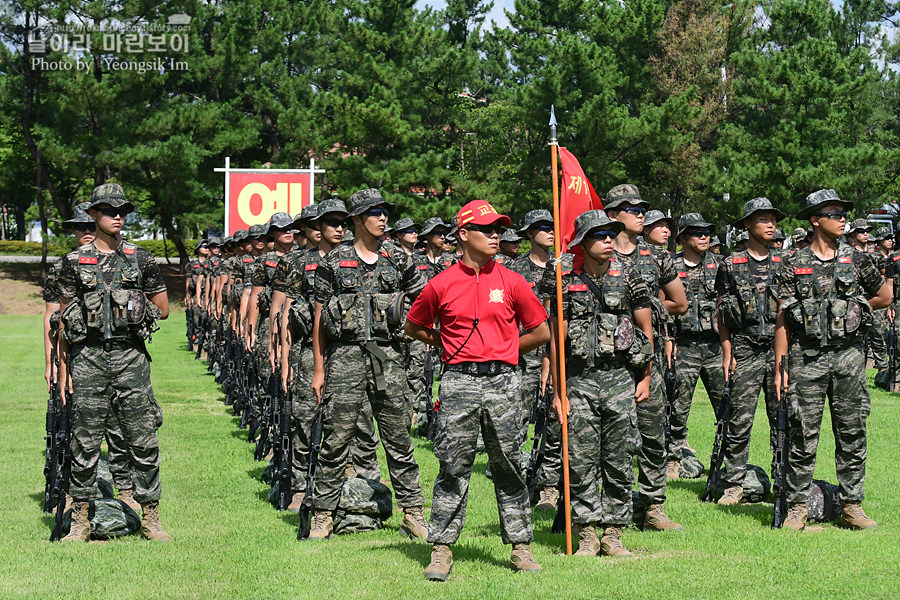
(230, 542)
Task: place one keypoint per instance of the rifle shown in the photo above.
(315, 445)
(718, 452)
(63, 467)
(892, 349)
(284, 457)
(429, 391)
(779, 463)
(189, 323)
(52, 424)
(669, 375)
(269, 414)
(539, 442)
(201, 329)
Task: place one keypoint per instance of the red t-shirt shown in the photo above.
(499, 298)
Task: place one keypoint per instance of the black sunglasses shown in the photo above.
(837, 215)
(114, 212)
(635, 210)
(697, 233)
(333, 223)
(542, 227)
(378, 211)
(85, 227)
(406, 231)
(486, 229)
(602, 234)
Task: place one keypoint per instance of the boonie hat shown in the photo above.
(363, 200)
(593, 219)
(816, 200)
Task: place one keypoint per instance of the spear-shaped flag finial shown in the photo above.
(553, 141)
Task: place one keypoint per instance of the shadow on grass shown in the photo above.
(760, 511)
(696, 486)
(421, 553)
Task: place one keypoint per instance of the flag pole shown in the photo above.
(561, 348)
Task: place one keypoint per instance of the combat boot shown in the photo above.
(549, 497)
(611, 543)
(441, 563)
(657, 520)
(589, 543)
(673, 469)
(853, 517)
(151, 528)
(522, 560)
(127, 496)
(80, 529)
(322, 525)
(732, 495)
(796, 517)
(296, 502)
(414, 524)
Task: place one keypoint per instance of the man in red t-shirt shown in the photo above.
(479, 305)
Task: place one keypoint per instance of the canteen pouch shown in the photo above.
(381, 303)
(809, 309)
(606, 335)
(93, 304)
(340, 316)
(120, 299)
(731, 312)
(73, 321)
(264, 300)
(837, 318)
(300, 318)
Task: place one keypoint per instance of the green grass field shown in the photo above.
(230, 542)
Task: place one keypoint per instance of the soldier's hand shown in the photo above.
(729, 365)
(47, 377)
(642, 390)
(285, 378)
(318, 385)
(781, 383)
(557, 405)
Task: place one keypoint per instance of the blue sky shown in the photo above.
(496, 13)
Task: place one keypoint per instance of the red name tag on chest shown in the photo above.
(712, 265)
(128, 250)
(248, 260)
(577, 287)
(738, 260)
(844, 259)
(645, 253)
(447, 263)
(271, 263)
(776, 259)
(615, 273)
(682, 274)
(803, 271)
(896, 258)
(385, 253)
(311, 267)
(423, 267)
(87, 260)
(349, 263)
(196, 266)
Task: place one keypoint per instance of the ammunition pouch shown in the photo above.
(731, 312)
(340, 317)
(264, 300)
(300, 318)
(72, 317)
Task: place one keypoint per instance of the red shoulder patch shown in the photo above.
(200, 266)
(615, 273)
(385, 253)
(803, 271)
(566, 272)
(896, 258)
(349, 263)
(448, 263)
(845, 259)
(711, 265)
(737, 260)
(682, 274)
(87, 260)
(246, 260)
(577, 287)
(127, 250)
(271, 263)
(776, 259)
(312, 267)
(645, 252)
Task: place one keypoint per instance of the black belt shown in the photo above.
(109, 345)
(481, 369)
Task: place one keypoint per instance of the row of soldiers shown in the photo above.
(319, 323)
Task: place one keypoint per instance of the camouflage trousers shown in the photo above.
(551, 467)
(651, 424)
(603, 440)
(755, 371)
(113, 387)
(263, 367)
(303, 413)
(839, 375)
(119, 467)
(696, 358)
(876, 339)
(349, 386)
(469, 404)
(417, 395)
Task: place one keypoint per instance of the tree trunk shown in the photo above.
(165, 218)
(21, 224)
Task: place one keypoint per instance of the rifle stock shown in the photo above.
(718, 452)
(779, 463)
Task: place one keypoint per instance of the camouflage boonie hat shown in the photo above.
(281, 220)
(624, 194)
(799, 235)
(858, 225)
(533, 217)
(509, 235)
(240, 235)
(433, 223)
(79, 215)
(593, 219)
(228, 239)
(258, 230)
(883, 233)
(332, 205)
(715, 241)
(200, 243)
(756, 205)
(405, 223)
(692, 221)
(743, 236)
(816, 200)
(363, 200)
(309, 213)
(653, 217)
(109, 193)
(215, 241)
(779, 236)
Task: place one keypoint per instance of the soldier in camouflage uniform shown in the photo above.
(655, 267)
(509, 246)
(858, 237)
(194, 269)
(778, 239)
(830, 291)
(407, 234)
(257, 236)
(479, 388)
(357, 340)
(748, 283)
(608, 374)
(715, 245)
(537, 227)
(698, 351)
(111, 296)
(658, 228)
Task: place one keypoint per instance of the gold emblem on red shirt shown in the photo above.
(496, 296)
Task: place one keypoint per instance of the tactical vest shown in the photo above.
(300, 317)
(601, 332)
(359, 312)
(114, 310)
(744, 309)
(646, 266)
(195, 268)
(239, 284)
(832, 318)
(264, 298)
(700, 318)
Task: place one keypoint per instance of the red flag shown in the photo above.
(578, 196)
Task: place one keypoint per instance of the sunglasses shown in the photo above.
(333, 223)
(407, 231)
(378, 211)
(85, 227)
(486, 229)
(837, 215)
(114, 212)
(697, 233)
(542, 227)
(635, 210)
(602, 234)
